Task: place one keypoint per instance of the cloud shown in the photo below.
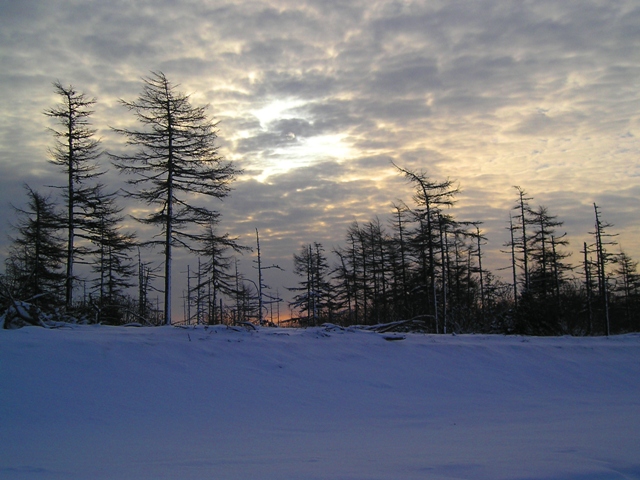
(316, 97)
(542, 124)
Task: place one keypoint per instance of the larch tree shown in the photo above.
(603, 258)
(431, 197)
(75, 151)
(628, 288)
(588, 285)
(399, 260)
(37, 253)
(343, 286)
(522, 207)
(514, 268)
(546, 267)
(479, 238)
(175, 164)
(314, 297)
(111, 252)
(216, 269)
(264, 299)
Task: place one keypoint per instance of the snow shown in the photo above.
(323, 403)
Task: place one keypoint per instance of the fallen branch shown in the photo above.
(415, 324)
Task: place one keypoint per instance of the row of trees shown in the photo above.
(173, 169)
(424, 264)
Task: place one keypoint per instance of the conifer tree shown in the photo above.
(176, 162)
(603, 258)
(112, 262)
(431, 197)
(37, 253)
(628, 289)
(75, 151)
(216, 277)
(314, 297)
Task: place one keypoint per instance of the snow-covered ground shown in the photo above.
(96, 402)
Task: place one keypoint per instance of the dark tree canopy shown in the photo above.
(37, 253)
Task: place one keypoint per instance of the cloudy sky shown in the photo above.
(315, 98)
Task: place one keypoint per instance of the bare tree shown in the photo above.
(217, 265)
(76, 150)
(628, 287)
(263, 298)
(175, 164)
(112, 263)
(314, 289)
(603, 258)
(522, 206)
(430, 197)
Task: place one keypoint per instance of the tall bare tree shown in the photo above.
(431, 197)
(176, 162)
(603, 258)
(522, 207)
(75, 151)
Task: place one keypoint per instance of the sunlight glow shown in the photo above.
(332, 146)
(276, 110)
(307, 152)
(301, 151)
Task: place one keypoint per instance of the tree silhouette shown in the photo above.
(75, 151)
(112, 262)
(37, 253)
(176, 162)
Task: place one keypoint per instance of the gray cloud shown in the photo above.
(493, 94)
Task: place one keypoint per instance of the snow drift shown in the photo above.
(323, 403)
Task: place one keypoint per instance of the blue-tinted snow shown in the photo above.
(96, 402)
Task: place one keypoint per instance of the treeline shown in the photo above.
(425, 265)
(77, 262)
(72, 259)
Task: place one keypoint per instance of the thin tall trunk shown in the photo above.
(403, 264)
(525, 246)
(71, 219)
(587, 274)
(169, 226)
(310, 302)
(444, 259)
(482, 305)
(259, 279)
(602, 276)
(238, 305)
(188, 294)
(513, 265)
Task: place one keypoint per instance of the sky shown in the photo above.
(316, 98)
